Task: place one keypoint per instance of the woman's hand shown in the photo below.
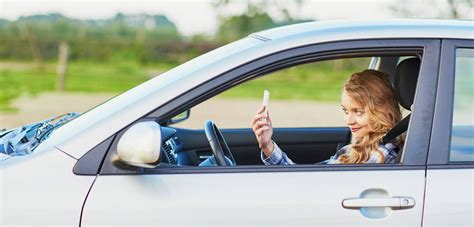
(262, 127)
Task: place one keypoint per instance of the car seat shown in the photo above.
(406, 78)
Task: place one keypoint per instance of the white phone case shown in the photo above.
(266, 99)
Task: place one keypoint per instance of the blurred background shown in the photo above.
(61, 56)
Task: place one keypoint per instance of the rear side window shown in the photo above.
(462, 134)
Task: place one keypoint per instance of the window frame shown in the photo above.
(440, 145)
(418, 135)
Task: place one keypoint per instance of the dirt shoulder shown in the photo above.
(47, 105)
(226, 113)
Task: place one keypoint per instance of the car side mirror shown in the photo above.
(140, 145)
(179, 118)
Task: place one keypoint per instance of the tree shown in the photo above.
(441, 9)
(254, 18)
(456, 8)
(236, 27)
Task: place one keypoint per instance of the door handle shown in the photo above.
(396, 203)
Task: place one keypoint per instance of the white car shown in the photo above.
(123, 163)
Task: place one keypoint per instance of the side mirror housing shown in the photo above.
(140, 145)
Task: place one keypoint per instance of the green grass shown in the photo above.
(313, 82)
(15, 82)
(91, 77)
(321, 81)
(81, 77)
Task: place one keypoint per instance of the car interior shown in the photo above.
(305, 145)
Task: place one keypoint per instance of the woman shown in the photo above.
(370, 110)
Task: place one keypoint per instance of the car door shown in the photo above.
(344, 195)
(450, 175)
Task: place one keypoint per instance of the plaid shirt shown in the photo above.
(278, 157)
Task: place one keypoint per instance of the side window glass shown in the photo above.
(305, 95)
(462, 135)
(309, 110)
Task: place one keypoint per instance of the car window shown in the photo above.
(462, 134)
(301, 96)
(306, 110)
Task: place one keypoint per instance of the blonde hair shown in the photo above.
(372, 90)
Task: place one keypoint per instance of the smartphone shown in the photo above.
(266, 99)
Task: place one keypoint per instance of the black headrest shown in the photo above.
(406, 77)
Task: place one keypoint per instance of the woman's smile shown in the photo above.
(355, 129)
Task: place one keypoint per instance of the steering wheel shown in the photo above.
(218, 144)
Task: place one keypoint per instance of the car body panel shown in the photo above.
(41, 189)
(337, 30)
(449, 199)
(296, 198)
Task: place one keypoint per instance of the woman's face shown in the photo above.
(355, 116)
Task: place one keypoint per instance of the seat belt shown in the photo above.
(400, 128)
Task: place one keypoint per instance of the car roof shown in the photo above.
(358, 29)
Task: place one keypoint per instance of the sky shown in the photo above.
(195, 16)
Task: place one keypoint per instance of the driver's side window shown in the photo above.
(314, 114)
(301, 96)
